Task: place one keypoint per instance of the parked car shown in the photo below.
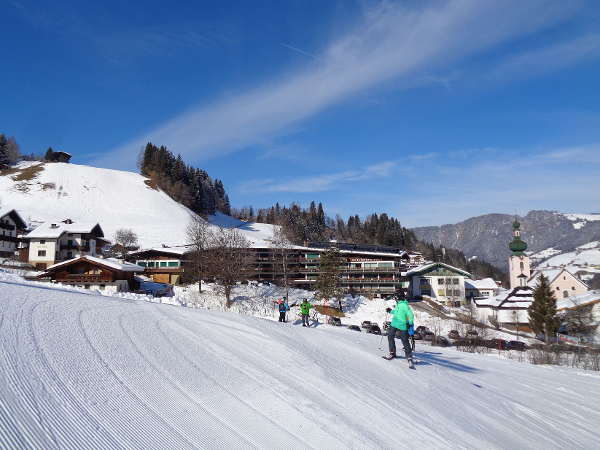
(421, 328)
(453, 334)
(366, 324)
(418, 336)
(354, 327)
(496, 343)
(428, 336)
(335, 321)
(440, 341)
(374, 329)
(516, 345)
(471, 334)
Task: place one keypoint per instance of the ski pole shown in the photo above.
(381, 340)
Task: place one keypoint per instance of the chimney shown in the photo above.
(53, 225)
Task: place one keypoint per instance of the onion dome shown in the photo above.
(517, 246)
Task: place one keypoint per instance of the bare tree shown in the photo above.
(231, 259)
(579, 321)
(281, 246)
(198, 236)
(125, 240)
(13, 151)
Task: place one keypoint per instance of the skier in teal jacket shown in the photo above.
(402, 320)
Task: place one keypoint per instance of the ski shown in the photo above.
(390, 357)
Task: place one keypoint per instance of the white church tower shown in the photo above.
(519, 262)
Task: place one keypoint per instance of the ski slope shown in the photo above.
(114, 199)
(83, 371)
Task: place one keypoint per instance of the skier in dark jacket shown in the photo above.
(283, 308)
(402, 320)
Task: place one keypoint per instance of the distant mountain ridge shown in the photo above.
(488, 236)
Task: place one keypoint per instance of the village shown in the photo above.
(76, 254)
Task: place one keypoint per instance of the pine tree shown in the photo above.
(328, 284)
(542, 312)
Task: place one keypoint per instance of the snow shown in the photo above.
(81, 370)
(111, 198)
(582, 217)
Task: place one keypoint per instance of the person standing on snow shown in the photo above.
(283, 308)
(304, 308)
(403, 319)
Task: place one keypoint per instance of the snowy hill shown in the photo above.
(79, 370)
(114, 199)
(584, 261)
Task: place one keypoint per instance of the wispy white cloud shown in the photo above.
(555, 57)
(557, 179)
(389, 43)
(320, 183)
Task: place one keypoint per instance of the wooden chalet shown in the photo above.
(164, 264)
(94, 273)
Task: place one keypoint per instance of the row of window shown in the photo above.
(440, 281)
(152, 264)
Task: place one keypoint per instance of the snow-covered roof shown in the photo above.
(486, 283)
(425, 267)
(175, 251)
(46, 230)
(112, 263)
(578, 300)
(519, 297)
(15, 217)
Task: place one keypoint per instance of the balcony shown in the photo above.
(83, 277)
(81, 248)
(6, 226)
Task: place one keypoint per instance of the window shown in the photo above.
(102, 287)
(455, 281)
(173, 264)
(42, 241)
(163, 264)
(424, 281)
(441, 292)
(426, 292)
(565, 294)
(41, 252)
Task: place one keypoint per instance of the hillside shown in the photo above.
(84, 371)
(115, 199)
(488, 236)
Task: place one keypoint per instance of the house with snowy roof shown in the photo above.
(438, 281)
(563, 282)
(508, 308)
(95, 273)
(11, 223)
(486, 287)
(60, 241)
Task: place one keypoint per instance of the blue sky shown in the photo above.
(429, 111)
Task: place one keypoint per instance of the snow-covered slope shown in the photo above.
(84, 371)
(114, 199)
(585, 260)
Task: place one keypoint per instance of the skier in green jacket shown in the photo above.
(402, 320)
(304, 308)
